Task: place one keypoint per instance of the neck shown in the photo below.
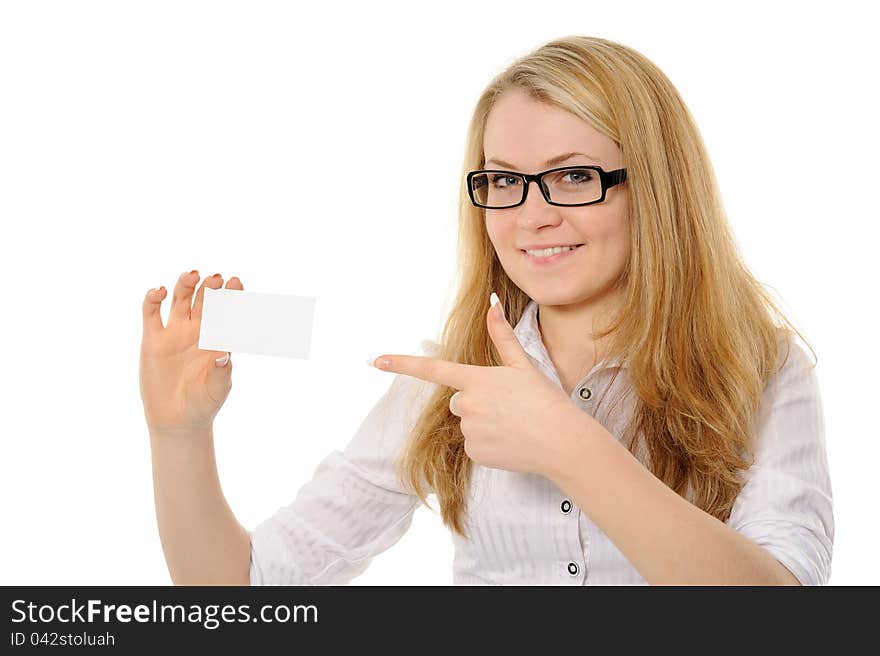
(567, 331)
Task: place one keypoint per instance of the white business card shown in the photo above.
(251, 322)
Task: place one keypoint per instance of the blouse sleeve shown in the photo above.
(353, 508)
(786, 504)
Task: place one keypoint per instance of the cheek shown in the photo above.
(496, 228)
(610, 227)
(501, 236)
(617, 236)
(611, 220)
(607, 236)
(619, 247)
(605, 230)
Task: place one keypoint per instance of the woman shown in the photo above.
(642, 417)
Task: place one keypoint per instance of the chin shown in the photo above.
(552, 297)
(558, 295)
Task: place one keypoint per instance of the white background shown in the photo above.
(257, 139)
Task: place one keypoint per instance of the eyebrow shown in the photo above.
(550, 162)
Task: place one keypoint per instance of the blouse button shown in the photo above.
(573, 569)
(585, 393)
(565, 507)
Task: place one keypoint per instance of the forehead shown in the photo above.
(522, 130)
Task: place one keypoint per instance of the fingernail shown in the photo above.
(381, 363)
(493, 301)
(222, 362)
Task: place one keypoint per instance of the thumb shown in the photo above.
(219, 378)
(504, 337)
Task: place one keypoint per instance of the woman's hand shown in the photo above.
(512, 417)
(182, 387)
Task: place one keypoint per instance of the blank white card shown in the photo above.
(250, 322)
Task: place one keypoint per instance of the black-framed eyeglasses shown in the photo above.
(567, 186)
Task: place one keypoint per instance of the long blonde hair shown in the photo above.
(697, 330)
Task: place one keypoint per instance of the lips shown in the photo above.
(541, 248)
(539, 261)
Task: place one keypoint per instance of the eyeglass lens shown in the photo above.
(572, 186)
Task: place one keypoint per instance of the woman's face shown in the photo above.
(522, 135)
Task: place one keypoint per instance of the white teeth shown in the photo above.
(547, 252)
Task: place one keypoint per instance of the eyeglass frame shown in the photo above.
(607, 179)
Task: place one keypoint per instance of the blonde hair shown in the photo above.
(697, 330)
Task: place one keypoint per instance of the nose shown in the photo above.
(536, 210)
(535, 195)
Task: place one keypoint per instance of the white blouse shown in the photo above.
(523, 529)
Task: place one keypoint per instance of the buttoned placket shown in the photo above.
(575, 569)
(571, 571)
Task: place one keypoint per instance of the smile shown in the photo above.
(545, 260)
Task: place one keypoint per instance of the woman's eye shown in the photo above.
(506, 180)
(579, 176)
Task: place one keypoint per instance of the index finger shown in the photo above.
(213, 282)
(452, 374)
